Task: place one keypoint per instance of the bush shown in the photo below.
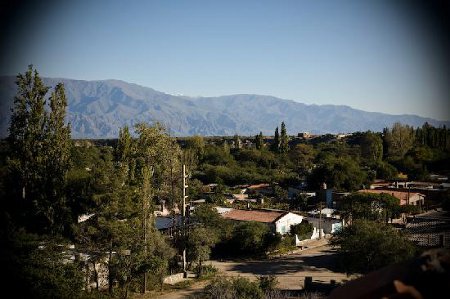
(205, 271)
(238, 287)
(366, 246)
(303, 230)
(250, 237)
(267, 283)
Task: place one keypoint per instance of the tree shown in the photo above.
(302, 156)
(237, 142)
(207, 215)
(58, 149)
(36, 267)
(303, 230)
(199, 244)
(259, 141)
(399, 140)
(280, 193)
(124, 148)
(275, 146)
(370, 206)
(40, 151)
(284, 140)
(158, 152)
(371, 147)
(26, 132)
(341, 173)
(250, 237)
(230, 288)
(365, 246)
(193, 152)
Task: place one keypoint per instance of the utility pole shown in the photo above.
(320, 219)
(184, 217)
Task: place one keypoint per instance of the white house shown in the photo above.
(278, 221)
(327, 224)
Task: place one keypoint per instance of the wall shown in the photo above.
(283, 225)
(173, 279)
(329, 225)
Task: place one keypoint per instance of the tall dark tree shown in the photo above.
(399, 140)
(371, 147)
(237, 142)
(26, 132)
(57, 148)
(40, 143)
(284, 139)
(275, 147)
(259, 141)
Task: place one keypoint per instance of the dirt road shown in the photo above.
(290, 270)
(317, 261)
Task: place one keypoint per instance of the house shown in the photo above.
(429, 229)
(326, 212)
(405, 197)
(263, 189)
(168, 224)
(328, 225)
(293, 192)
(278, 221)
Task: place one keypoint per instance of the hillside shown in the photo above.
(98, 109)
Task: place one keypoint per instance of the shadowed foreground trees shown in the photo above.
(365, 246)
(40, 144)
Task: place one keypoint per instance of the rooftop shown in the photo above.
(254, 215)
(402, 195)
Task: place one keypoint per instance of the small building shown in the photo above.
(326, 212)
(329, 225)
(167, 224)
(405, 197)
(263, 189)
(278, 221)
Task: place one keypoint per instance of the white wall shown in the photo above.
(283, 225)
(329, 225)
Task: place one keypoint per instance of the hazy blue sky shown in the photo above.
(375, 56)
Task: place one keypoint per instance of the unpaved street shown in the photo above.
(290, 270)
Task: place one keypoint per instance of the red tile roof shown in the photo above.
(258, 186)
(253, 215)
(402, 195)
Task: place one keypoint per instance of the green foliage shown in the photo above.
(205, 271)
(302, 157)
(341, 173)
(275, 146)
(40, 153)
(410, 209)
(238, 287)
(369, 206)
(208, 216)
(216, 155)
(199, 243)
(399, 139)
(267, 283)
(386, 171)
(259, 141)
(366, 246)
(303, 230)
(284, 140)
(33, 267)
(280, 193)
(250, 237)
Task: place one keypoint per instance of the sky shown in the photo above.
(383, 56)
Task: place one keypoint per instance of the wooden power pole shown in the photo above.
(184, 217)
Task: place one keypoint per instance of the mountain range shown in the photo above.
(98, 109)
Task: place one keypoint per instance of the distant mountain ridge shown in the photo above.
(98, 109)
